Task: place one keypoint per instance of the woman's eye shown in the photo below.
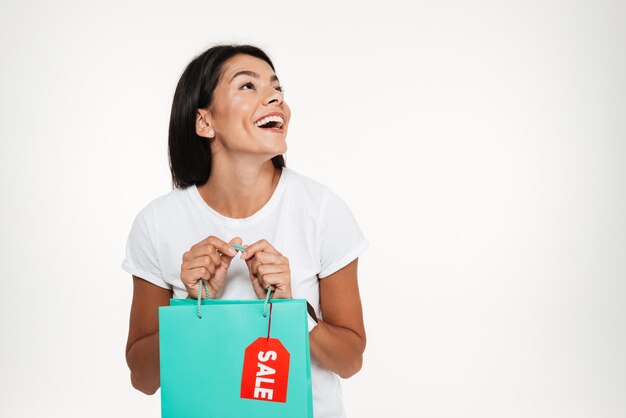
(279, 88)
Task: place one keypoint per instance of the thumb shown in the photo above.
(236, 240)
(226, 259)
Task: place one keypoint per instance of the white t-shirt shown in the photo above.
(304, 220)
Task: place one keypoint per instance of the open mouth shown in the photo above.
(273, 122)
(271, 125)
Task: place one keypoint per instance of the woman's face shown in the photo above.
(247, 91)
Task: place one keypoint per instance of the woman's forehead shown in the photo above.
(248, 65)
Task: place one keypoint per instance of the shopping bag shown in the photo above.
(226, 359)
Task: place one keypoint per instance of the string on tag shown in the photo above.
(206, 289)
(269, 322)
(267, 300)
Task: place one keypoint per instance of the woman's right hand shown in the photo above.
(203, 261)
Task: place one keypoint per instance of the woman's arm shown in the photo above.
(142, 348)
(338, 342)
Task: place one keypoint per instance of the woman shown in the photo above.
(227, 135)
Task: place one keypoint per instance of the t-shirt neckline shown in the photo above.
(258, 215)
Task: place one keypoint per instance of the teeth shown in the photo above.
(270, 119)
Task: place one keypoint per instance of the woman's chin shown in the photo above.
(276, 153)
(275, 147)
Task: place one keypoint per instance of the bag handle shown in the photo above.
(270, 290)
(201, 283)
(208, 296)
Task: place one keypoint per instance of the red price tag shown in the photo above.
(265, 371)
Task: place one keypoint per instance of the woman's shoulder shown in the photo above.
(306, 186)
(315, 194)
(164, 203)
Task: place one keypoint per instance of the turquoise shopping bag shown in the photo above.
(203, 349)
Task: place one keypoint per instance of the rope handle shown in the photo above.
(238, 247)
(206, 288)
(268, 296)
(208, 296)
(270, 290)
(201, 283)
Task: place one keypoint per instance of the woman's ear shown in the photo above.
(203, 127)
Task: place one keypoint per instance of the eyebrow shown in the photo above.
(252, 74)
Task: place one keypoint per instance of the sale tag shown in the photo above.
(265, 371)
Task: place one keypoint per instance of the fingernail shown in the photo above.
(232, 251)
(243, 254)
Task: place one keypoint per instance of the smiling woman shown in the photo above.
(218, 89)
(227, 137)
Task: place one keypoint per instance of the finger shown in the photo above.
(224, 247)
(258, 289)
(203, 261)
(253, 265)
(279, 280)
(261, 245)
(252, 269)
(219, 244)
(213, 254)
(203, 251)
(265, 269)
(191, 277)
(274, 265)
(227, 258)
(270, 258)
(204, 242)
(197, 251)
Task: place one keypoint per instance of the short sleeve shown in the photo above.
(141, 258)
(341, 239)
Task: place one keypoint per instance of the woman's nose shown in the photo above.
(274, 96)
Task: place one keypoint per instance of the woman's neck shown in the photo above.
(239, 190)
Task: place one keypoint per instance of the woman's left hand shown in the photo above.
(268, 267)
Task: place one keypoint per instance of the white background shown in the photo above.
(480, 145)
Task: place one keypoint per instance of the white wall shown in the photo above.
(481, 146)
